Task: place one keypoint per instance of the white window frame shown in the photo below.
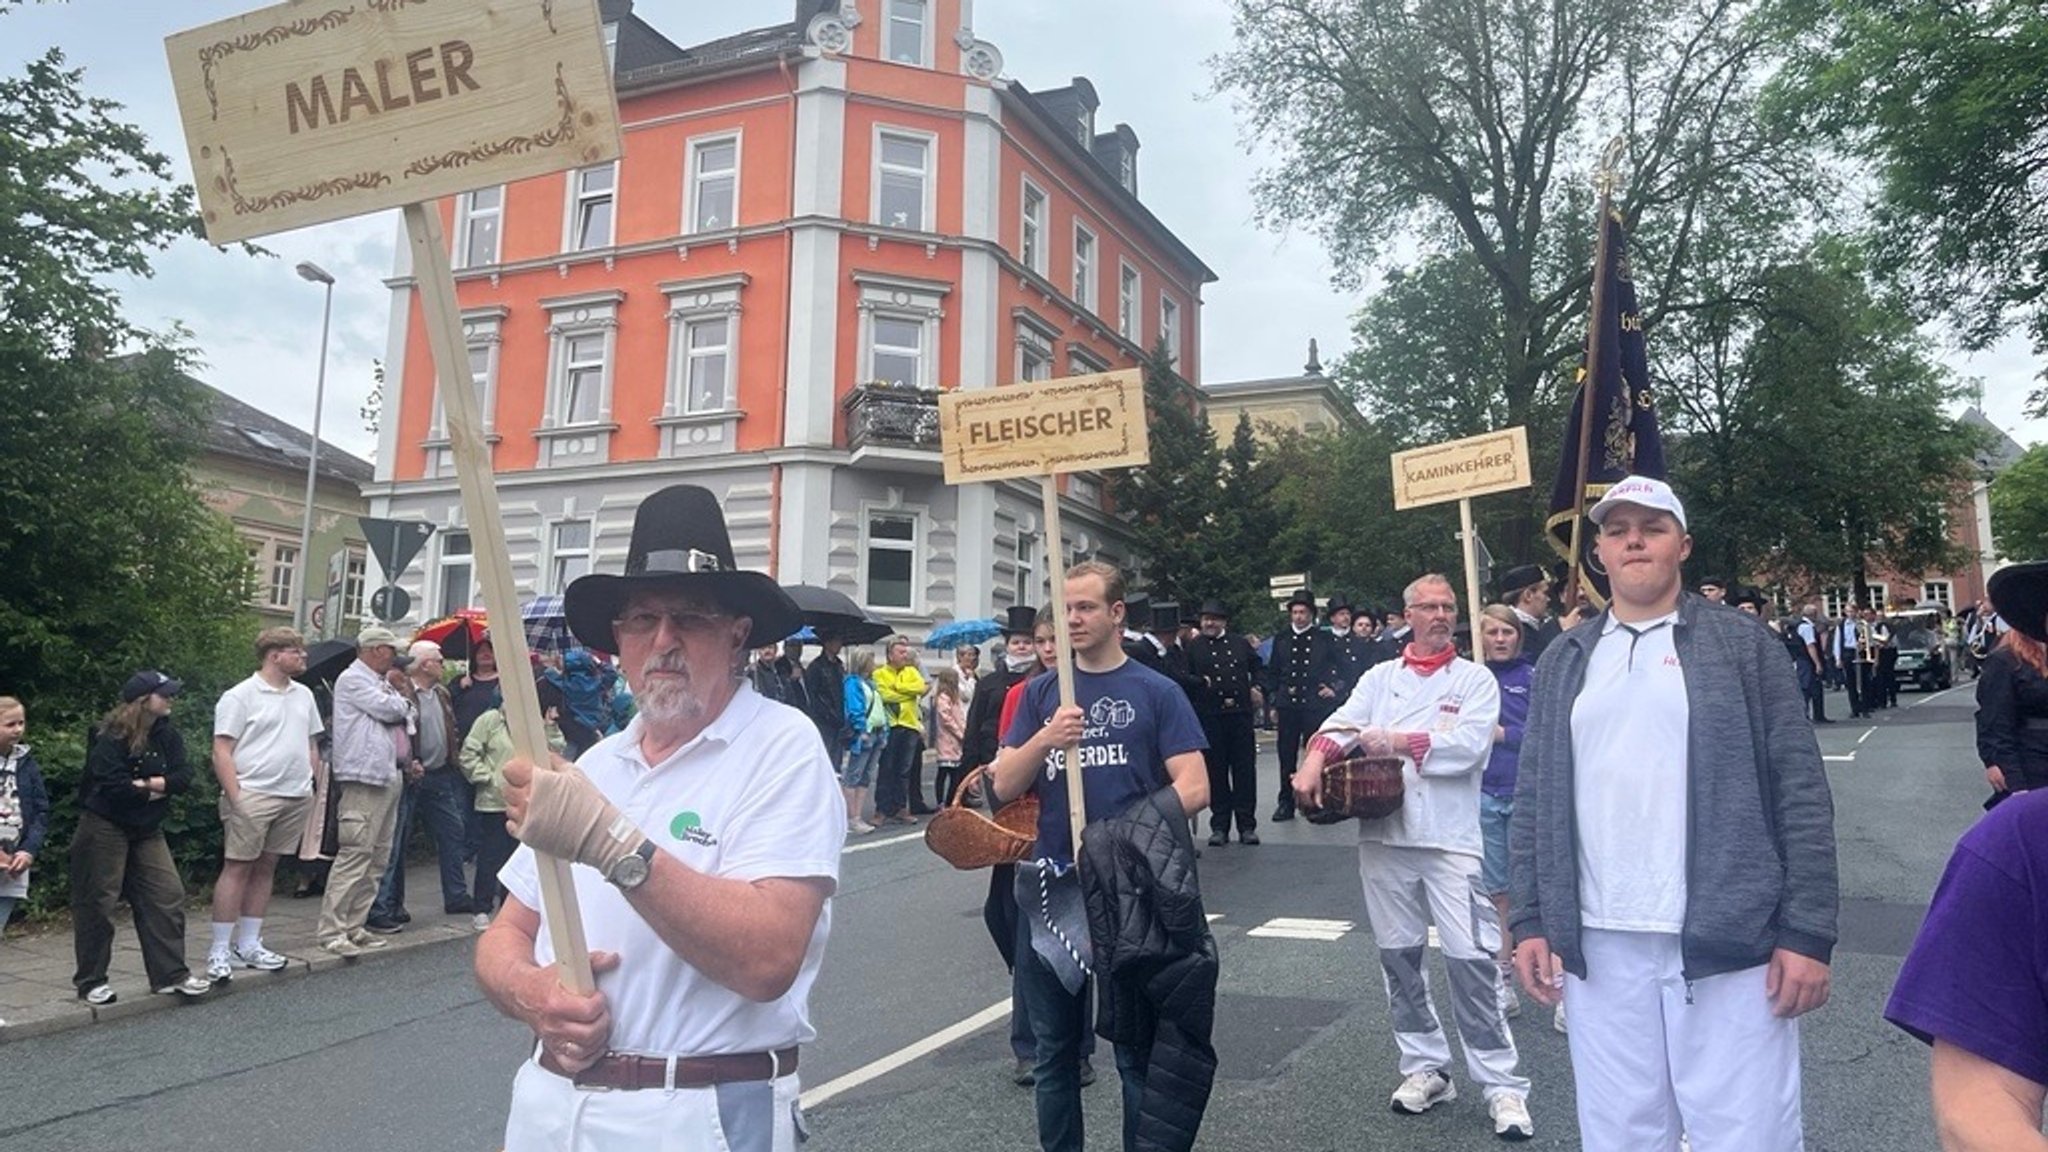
(467, 215)
(611, 44)
(1834, 600)
(902, 298)
(1876, 595)
(1942, 592)
(927, 177)
(687, 429)
(281, 579)
(695, 179)
(890, 23)
(572, 318)
(1082, 362)
(871, 341)
(1033, 228)
(482, 328)
(1130, 301)
(914, 547)
(1169, 326)
(1024, 560)
(447, 562)
(355, 579)
(1087, 272)
(1034, 340)
(574, 198)
(559, 554)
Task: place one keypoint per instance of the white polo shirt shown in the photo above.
(753, 796)
(1629, 727)
(273, 729)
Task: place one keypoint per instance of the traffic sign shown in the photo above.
(395, 542)
(390, 603)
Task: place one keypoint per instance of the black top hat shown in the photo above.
(1302, 596)
(1751, 596)
(1020, 620)
(1339, 602)
(1165, 617)
(680, 541)
(1135, 606)
(1189, 618)
(1215, 608)
(1517, 579)
(2020, 594)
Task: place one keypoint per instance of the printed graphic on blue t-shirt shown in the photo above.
(1136, 720)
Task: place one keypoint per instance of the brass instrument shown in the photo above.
(1866, 643)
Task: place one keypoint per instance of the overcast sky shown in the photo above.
(257, 325)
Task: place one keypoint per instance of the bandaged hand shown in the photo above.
(566, 817)
(1378, 744)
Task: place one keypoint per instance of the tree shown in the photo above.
(1170, 503)
(112, 560)
(2019, 505)
(1246, 524)
(1948, 99)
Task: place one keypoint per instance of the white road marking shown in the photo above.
(1295, 928)
(1867, 734)
(1844, 758)
(873, 844)
(905, 1055)
(1933, 696)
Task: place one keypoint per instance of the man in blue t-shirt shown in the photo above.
(1136, 733)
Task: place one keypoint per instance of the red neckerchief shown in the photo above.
(1424, 665)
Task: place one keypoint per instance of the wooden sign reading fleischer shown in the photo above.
(1073, 424)
(319, 110)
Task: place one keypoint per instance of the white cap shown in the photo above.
(1642, 492)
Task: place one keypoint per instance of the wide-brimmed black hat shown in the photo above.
(1215, 608)
(1751, 596)
(1165, 617)
(1020, 620)
(1301, 596)
(1518, 578)
(2020, 594)
(680, 541)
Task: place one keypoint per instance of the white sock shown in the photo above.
(248, 932)
(221, 930)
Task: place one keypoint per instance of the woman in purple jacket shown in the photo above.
(1500, 645)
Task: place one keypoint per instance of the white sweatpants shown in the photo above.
(551, 1114)
(1407, 890)
(1655, 1057)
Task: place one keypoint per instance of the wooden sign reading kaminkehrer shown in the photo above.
(318, 110)
(1073, 424)
(1462, 469)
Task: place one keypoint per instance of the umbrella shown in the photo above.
(326, 660)
(803, 635)
(960, 633)
(458, 633)
(824, 610)
(547, 627)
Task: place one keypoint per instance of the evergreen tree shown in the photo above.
(1171, 502)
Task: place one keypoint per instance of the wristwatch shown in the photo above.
(632, 869)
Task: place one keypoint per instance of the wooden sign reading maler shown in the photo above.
(318, 110)
(1073, 424)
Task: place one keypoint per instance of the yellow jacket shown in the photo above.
(484, 755)
(901, 689)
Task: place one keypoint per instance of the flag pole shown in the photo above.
(1589, 386)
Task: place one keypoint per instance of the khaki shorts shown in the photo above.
(263, 824)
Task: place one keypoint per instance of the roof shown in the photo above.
(1999, 450)
(250, 434)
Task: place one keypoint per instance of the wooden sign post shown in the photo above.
(1045, 429)
(306, 112)
(1459, 470)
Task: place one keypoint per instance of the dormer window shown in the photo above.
(611, 45)
(905, 33)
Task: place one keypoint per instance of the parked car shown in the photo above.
(1923, 657)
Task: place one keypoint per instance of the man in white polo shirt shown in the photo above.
(1672, 857)
(705, 839)
(265, 742)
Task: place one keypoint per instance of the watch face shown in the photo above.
(630, 872)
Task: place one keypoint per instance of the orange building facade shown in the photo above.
(815, 227)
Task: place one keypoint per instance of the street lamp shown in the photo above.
(314, 273)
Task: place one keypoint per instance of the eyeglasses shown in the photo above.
(680, 621)
(1442, 608)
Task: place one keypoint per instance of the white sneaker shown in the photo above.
(189, 987)
(859, 827)
(1510, 1000)
(258, 957)
(1511, 1117)
(363, 939)
(1557, 1017)
(219, 967)
(480, 921)
(341, 946)
(1423, 1091)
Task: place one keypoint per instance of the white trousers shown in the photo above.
(551, 1114)
(1655, 1057)
(1406, 891)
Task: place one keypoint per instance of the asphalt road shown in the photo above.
(404, 1053)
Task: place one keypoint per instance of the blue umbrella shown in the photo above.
(959, 633)
(803, 635)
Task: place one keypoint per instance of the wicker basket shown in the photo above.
(967, 839)
(1358, 787)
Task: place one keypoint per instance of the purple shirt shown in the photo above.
(1514, 678)
(1977, 976)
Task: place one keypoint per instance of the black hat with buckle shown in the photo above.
(679, 541)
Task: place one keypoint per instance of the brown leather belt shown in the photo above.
(628, 1073)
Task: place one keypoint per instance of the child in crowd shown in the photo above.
(949, 715)
(24, 808)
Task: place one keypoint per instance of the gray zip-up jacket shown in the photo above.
(1760, 850)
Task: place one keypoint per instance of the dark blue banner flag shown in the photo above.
(1625, 440)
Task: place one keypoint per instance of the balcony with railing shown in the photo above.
(880, 415)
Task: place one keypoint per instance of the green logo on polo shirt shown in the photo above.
(689, 827)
